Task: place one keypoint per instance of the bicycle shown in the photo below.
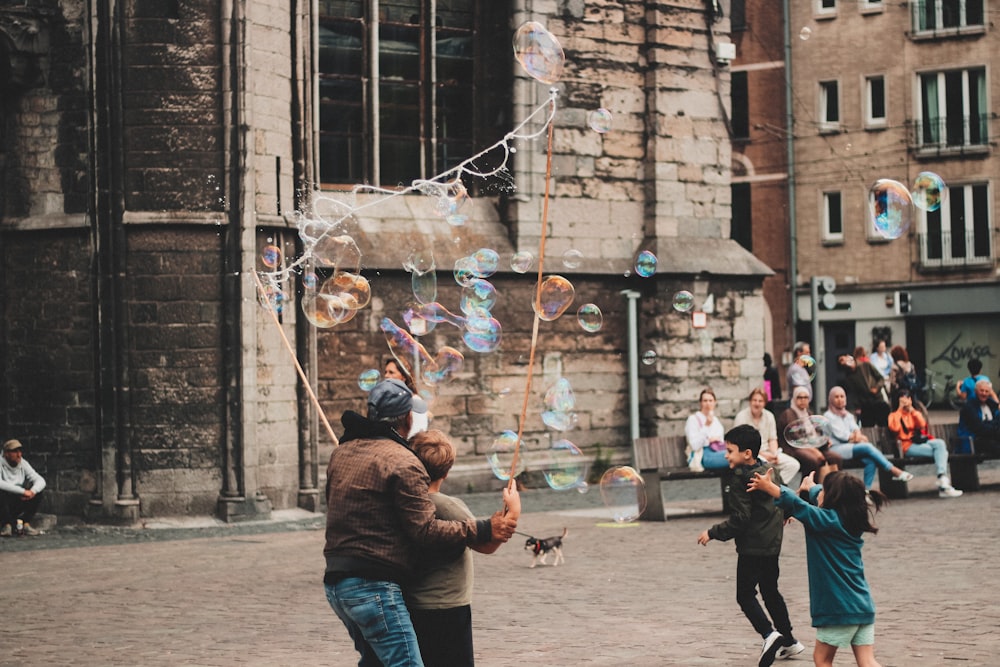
(932, 391)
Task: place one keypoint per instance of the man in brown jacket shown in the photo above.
(378, 516)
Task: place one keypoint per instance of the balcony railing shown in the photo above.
(956, 251)
(952, 133)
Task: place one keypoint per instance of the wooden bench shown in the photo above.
(964, 470)
(660, 459)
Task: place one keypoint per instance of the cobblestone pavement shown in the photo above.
(634, 594)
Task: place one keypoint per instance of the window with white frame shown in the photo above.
(953, 109)
(825, 7)
(871, 6)
(829, 106)
(937, 15)
(406, 87)
(875, 97)
(959, 232)
(833, 218)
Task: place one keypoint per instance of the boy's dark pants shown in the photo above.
(761, 571)
(13, 507)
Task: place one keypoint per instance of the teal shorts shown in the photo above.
(843, 636)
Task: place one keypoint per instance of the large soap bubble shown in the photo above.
(599, 120)
(808, 432)
(560, 396)
(564, 466)
(520, 262)
(556, 295)
(891, 208)
(539, 52)
(500, 456)
(482, 332)
(929, 191)
(624, 493)
(645, 264)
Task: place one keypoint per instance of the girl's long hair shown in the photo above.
(845, 494)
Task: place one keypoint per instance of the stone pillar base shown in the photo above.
(122, 512)
(310, 500)
(234, 510)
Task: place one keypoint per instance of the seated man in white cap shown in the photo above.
(379, 515)
(20, 492)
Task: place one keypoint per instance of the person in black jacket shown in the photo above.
(757, 525)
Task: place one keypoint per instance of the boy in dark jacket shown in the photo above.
(756, 524)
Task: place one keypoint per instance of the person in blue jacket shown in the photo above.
(840, 601)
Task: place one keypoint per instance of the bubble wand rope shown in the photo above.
(538, 296)
(298, 367)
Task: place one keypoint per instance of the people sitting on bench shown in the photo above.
(980, 419)
(910, 428)
(820, 460)
(847, 440)
(761, 419)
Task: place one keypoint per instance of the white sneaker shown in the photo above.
(944, 482)
(786, 652)
(904, 476)
(948, 492)
(770, 648)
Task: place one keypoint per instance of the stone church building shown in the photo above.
(151, 150)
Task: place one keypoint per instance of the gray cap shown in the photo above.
(419, 405)
(389, 399)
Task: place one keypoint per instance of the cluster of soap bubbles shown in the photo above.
(809, 432)
(891, 203)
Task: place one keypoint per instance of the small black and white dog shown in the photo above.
(542, 548)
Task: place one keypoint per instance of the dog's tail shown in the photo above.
(565, 531)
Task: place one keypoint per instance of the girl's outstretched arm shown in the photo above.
(764, 483)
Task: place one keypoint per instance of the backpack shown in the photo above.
(909, 380)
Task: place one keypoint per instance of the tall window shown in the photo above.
(833, 220)
(829, 106)
(875, 101)
(958, 233)
(740, 119)
(742, 228)
(931, 15)
(738, 15)
(953, 108)
(406, 86)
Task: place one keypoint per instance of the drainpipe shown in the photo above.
(633, 365)
(793, 264)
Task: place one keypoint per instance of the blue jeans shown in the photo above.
(933, 447)
(377, 620)
(871, 457)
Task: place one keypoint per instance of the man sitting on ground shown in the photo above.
(20, 491)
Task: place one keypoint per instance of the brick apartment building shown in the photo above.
(152, 150)
(887, 90)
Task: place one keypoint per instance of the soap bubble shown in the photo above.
(645, 264)
(929, 191)
(891, 208)
(270, 256)
(466, 270)
(485, 262)
(500, 456)
(649, 357)
(808, 432)
(805, 33)
(599, 120)
(559, 421)
(809, 363)
(683, 301)
(368, 379)
(521, 262)
(479, 294)
(340, 251)
(572, 258)
(424, 286)
(539, 52)
(447, 363)
(564, 466)
(560, 396)
(482, 332)
(353, 289)
(624, 493)
(590, 317)
(556, 295)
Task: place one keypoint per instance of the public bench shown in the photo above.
(662, 458)
(964, 468)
